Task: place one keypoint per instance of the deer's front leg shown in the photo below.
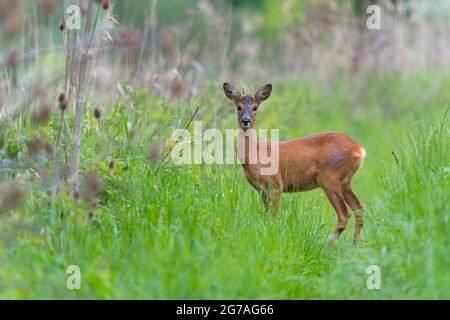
(265, 200)
(276, 195)
(271, 199)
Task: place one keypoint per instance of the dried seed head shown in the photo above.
(48, 147)
(128, 37)
(111, 165)
(40, 91)
(90, 214)
(14, 59)
(105, 4)
(92, 181)
(97, 113)
(62, 101)
(84, 10)
(183, 60)
(154, 152)
(12, 193)
(63, 105)
(91, 186)
(10, 8)
(62, 26)
(177, 86)
(48, 6)
(13, 25)
(43, 114)
(35, 145)
(5, 9)
(169, 44)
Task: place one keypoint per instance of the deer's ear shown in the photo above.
(263, 93)
(231, 92)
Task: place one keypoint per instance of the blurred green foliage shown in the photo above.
(167, 12)
(201, 232)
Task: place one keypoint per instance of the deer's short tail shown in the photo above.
(361, 154)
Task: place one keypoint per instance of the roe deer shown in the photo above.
(327, 160)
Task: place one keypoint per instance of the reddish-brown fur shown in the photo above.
(326, 160)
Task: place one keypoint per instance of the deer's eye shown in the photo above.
(255, 108)
(239, 108)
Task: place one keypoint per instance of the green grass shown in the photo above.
(201, 232)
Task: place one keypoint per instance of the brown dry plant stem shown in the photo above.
(85, 45)
(149, 27)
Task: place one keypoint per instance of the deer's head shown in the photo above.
(247, 105)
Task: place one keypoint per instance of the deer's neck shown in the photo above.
(247, 147)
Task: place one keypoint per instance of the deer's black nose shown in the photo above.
(246, 122)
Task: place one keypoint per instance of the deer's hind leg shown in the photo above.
(337, 201)
(355, 204)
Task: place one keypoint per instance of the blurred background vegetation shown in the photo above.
(141, 227)
(213, 39)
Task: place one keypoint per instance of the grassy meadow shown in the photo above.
(142, 227)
